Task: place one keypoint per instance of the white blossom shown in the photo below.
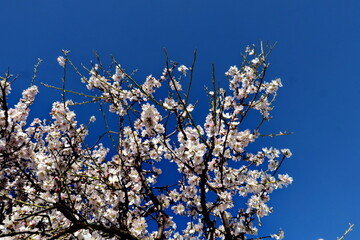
(61, 60)
(183, 69)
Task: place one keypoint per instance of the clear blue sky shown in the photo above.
(317, 58)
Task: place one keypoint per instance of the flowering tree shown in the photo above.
(55, 186)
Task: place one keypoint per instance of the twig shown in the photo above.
(347, 231)
(35, 71)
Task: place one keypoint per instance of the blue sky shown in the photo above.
(316, 57)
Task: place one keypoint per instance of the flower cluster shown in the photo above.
(56, 186)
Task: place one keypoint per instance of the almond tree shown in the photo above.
(54, 185)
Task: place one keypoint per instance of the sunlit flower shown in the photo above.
(61, 60)
(183, 69)
(278, 236)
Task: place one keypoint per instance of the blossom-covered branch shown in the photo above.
(54, 186)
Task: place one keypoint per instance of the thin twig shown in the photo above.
(351, 227)
(35, 71)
